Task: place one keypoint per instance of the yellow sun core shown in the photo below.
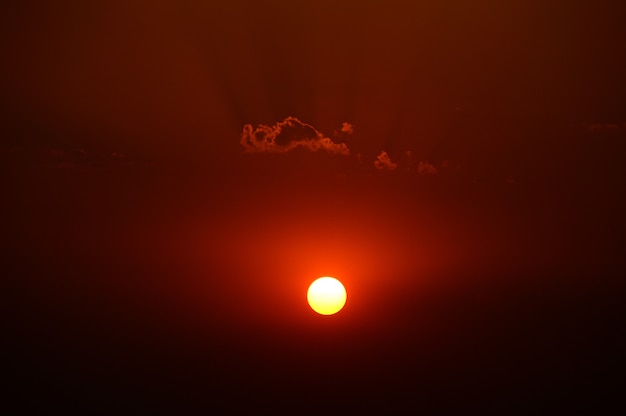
(326, 296)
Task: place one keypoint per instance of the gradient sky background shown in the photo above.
(459, 165)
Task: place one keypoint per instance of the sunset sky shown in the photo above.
(176, 173)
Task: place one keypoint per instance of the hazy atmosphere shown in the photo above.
(176, 173)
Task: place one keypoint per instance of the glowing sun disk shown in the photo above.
(326, 295)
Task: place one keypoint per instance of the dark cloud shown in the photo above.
(58, 158)
(604, 127)
(291, 133)
(288, 135)
(81, 158)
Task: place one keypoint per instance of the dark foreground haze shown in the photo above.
(175, 175)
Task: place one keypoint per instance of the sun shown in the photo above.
(326, 295)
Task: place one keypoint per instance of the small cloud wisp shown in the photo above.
(383, 162)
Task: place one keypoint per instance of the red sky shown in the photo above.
(185, 169)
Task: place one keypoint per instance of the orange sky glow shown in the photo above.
(176, 173)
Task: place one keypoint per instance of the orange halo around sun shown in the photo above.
(326, 295)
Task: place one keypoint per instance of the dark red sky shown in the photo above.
(176, 173)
